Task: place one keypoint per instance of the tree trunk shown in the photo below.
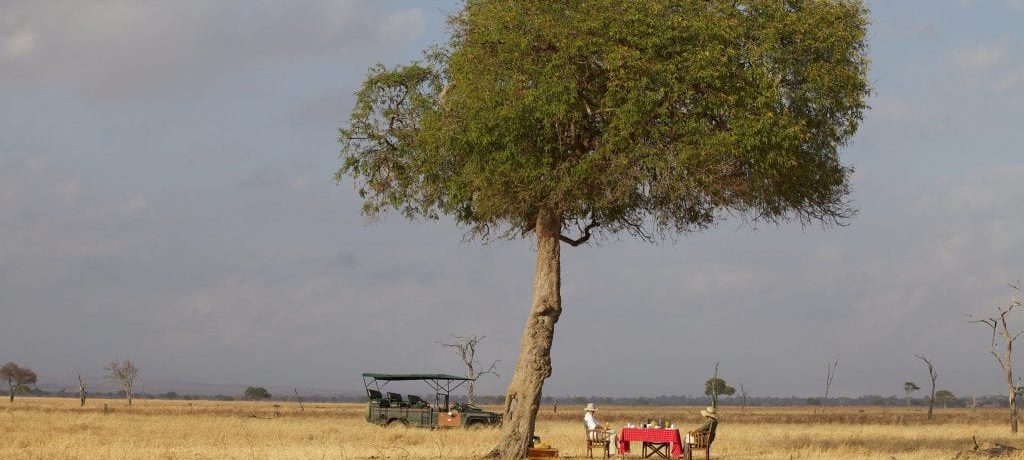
(931, 401)
(469, 389)
(128, 394)
(1013, 399)
(522, 401)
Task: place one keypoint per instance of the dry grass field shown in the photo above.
(54, 429)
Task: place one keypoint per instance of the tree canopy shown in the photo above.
(717, 386)
(19, 379)
(256, 393)
(646, 117)
(663, 115)
(944, 397)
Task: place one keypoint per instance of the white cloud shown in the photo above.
(1012, 81)
(20, 44)
(974, 64)
(136, 204)
(992, 65)
(119, 49)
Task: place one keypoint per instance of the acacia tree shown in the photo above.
(19, 379)
(945, 396)
(465, 348)
(932, 374)
(716, 386)
(909, 387)
(124, 374)
(1001, 332)
(257, 393)
(601, 117)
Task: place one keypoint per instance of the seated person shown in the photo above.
(710, 425)
(592, 424)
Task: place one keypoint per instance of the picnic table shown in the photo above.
(656, 441)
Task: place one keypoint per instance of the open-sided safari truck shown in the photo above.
(387, 408)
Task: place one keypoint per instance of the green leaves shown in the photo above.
(659, 115)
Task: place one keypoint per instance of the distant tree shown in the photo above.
(830, 373)
(743, 397)
(945, 397)
(81, 388)
(716, 386)
(19, 379)
(813, 401)
(465, 348)
(932, 374)
(645, 118)
(1001, 331)
(256, 393)
(910, 387)
(298, 399)
(124, 373)
(170, 395)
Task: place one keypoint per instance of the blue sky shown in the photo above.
(166, 195)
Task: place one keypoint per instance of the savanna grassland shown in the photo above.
(51, 428)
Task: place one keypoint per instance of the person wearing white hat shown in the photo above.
(594, 427)
(710, 424)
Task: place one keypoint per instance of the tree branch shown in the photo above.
(583, 238)
(490, 370)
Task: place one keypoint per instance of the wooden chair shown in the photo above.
(599, 438)
(700, 440)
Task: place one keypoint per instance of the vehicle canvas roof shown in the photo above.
(400, 377)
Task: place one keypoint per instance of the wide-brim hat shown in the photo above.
(590, 408)
(709, 412)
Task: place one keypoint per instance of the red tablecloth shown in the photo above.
(650, 435)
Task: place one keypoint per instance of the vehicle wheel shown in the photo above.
(476, 425)
(397, 422)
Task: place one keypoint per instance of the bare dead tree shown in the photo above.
(830, 373)
(465, 348)
(81, 387)
(1001, 330)
(933, 375)
(298, 399)
(124, 374)
(743, 397)
(714, 388)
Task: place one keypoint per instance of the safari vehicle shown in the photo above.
(388, 409)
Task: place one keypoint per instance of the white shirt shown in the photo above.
(590, 420)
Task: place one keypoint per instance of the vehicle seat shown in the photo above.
(415, 401)
(396, 400)
(376, 397)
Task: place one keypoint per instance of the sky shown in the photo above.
(166, 195)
